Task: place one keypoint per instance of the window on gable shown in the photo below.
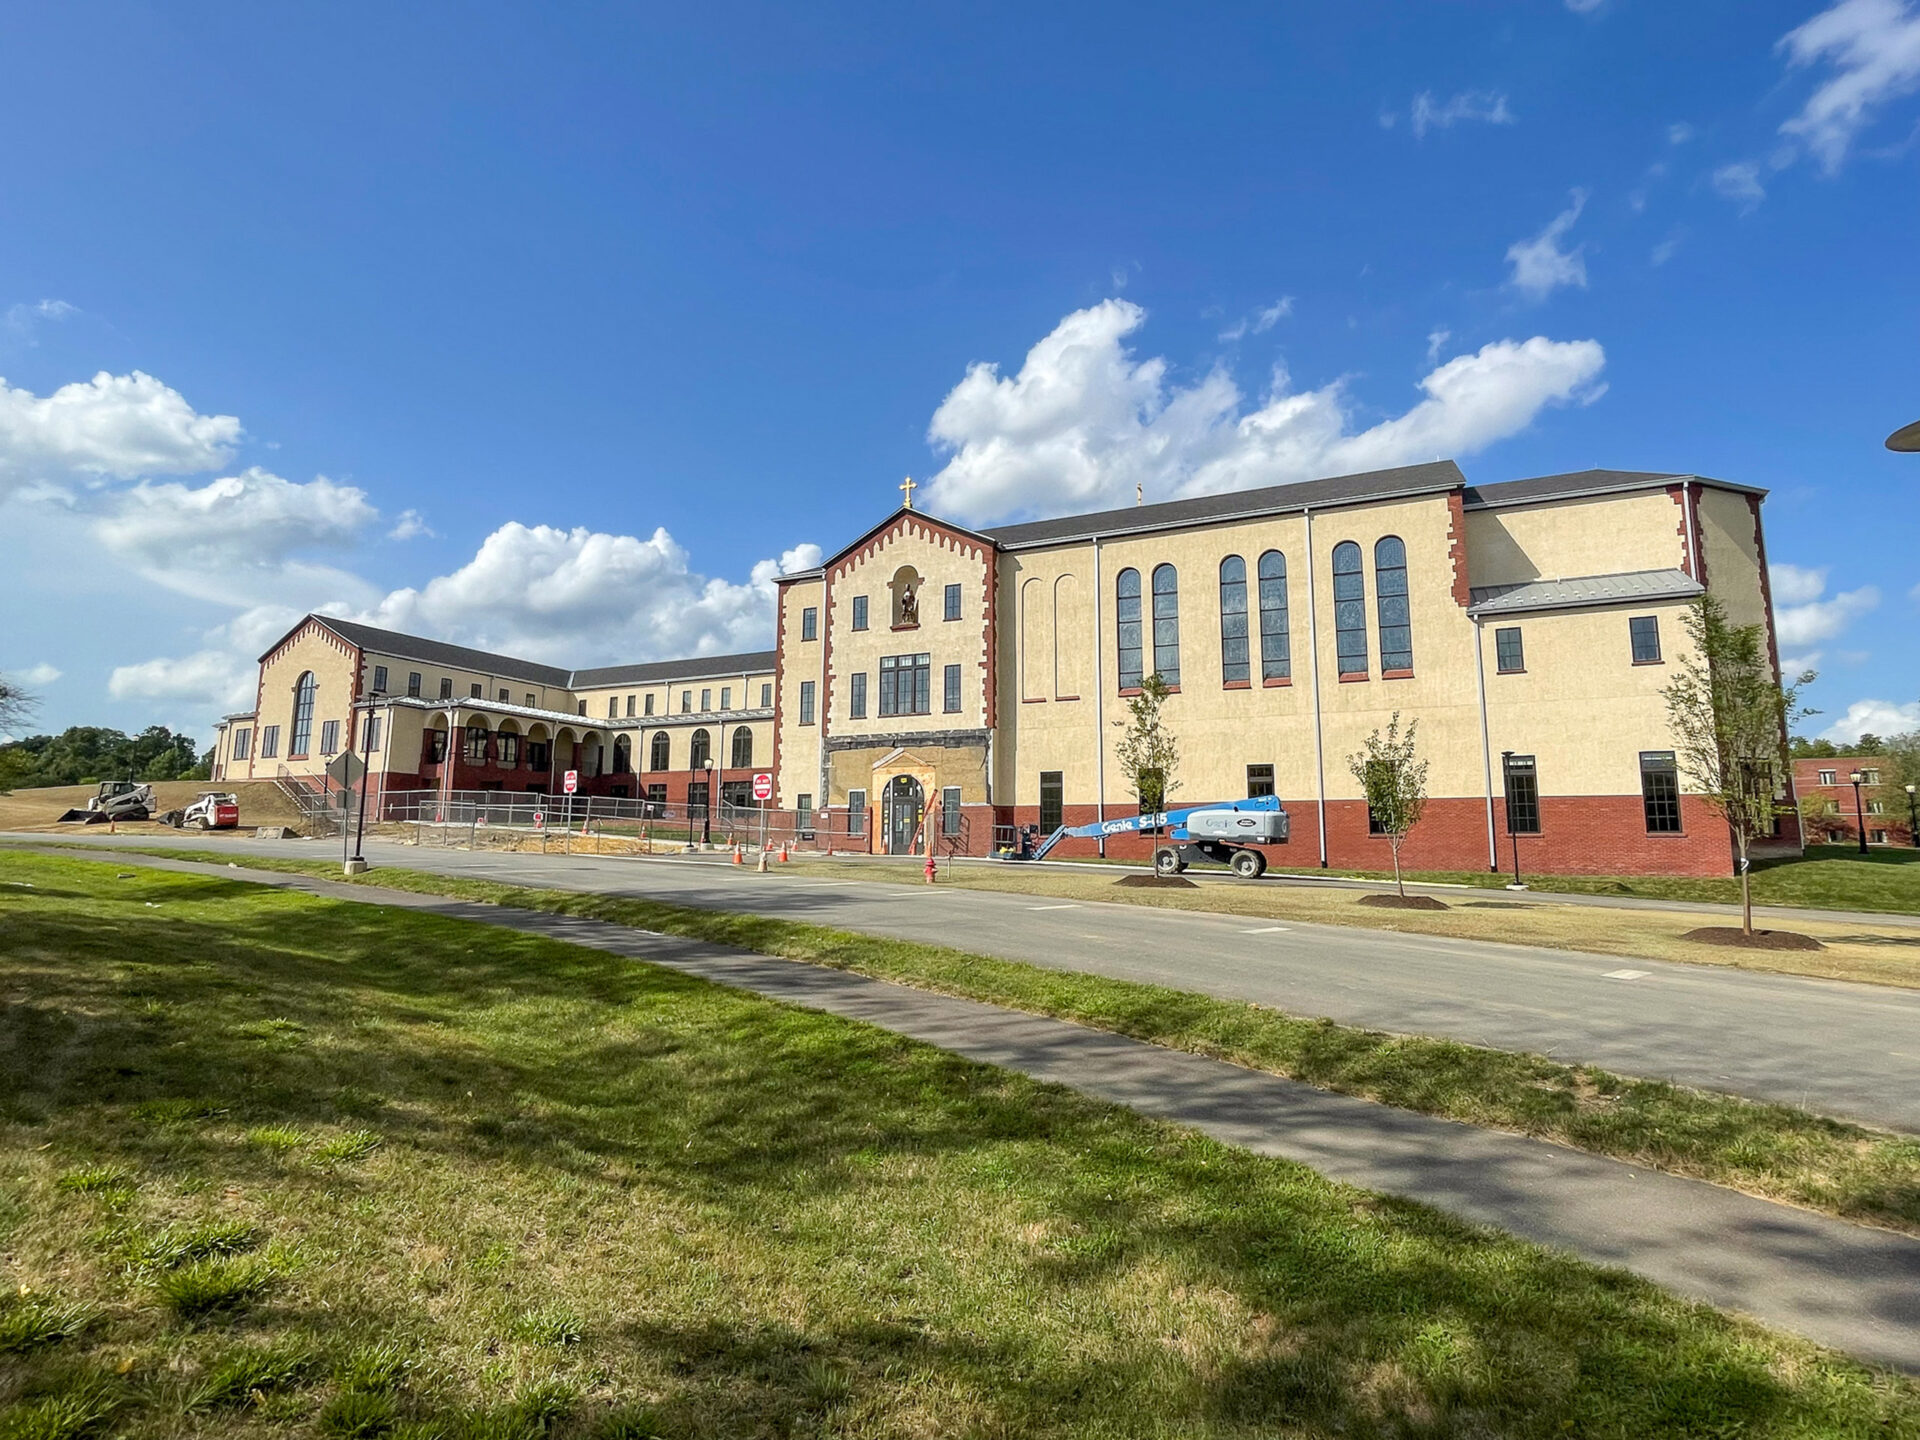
(303, 694)
(953, 603)
(1510, 656)
(1166, 623)
(1276, 660)
(1236, 665)
(329, 737)
(857, 696)
(1391, 601)
(269, 742)
(1126, 610)
(1349, 609)
(859, 612)
(379, 679)
(1645, 633)
(810, 623)
(905, 687)
(806, 702)
(951, 698)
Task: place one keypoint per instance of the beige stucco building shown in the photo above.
(930, 677)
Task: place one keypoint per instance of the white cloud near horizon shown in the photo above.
(111, 427)
(1540, 266)
(1488, 107)
(1872, 48)
(1873, 717)
(1083, 421)
(41, 674)
(1803, 619)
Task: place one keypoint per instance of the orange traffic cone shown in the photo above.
(783, 852)
(736, 856)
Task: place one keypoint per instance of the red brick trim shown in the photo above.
(1457, 546)
(1354, 679)
(1277, 682)
(1396, 674)
(1236, 684)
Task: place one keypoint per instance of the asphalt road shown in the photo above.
(1837, 1048)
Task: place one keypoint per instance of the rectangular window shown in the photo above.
(373, 733)
(379, 679)
(706, 702)
(329, 737)
(1645, 630)
(806, 702)
(1828, 777)
(413, 684)
(475, 690)
(1052, 800)
(242, 744)
(953, 602)
(509, 746)
(857, 697)
(581, 708)
(810, 623)
(613, 707)
(649, 703)
(269, 742)
(1660, 791)
(766, 696)
(952, 688)
(950, 810)
(726, 698)
(473, 748)
(1523, 795)
(697, 798)
(856, 812)
(1876, 837)
(1510, 656)
(1869, 777)
(539, 755)
(686, 702)
(859, 612)
(1259, 780)
(436, 746)
(657, 795)
(1876, 807)
(533, 702)
(446, 687)
(905, 685)
(503, 695)
(803, 816)
(630, 700)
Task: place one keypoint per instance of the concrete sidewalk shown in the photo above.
(1848, 1286)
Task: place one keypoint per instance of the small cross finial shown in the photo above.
(907, 487)
(1139, 492)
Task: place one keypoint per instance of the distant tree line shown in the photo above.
(87, 754)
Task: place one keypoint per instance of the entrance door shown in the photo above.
(904, 803)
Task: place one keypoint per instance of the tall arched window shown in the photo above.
(1166, 623)
(1349, 609)
(658, 753)
(622, 755)
(302, 727)
(1126, 596)
(1235, 665)
(742, 748)
(702, 750)
(1390, 596)
(1276, 656)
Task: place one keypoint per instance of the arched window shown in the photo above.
(1236, 667)
(474, 747)
(1390, 596)
(1126, 594)
(701, 752)
(1166, 623)
(302, 727)
(1276, 658)
(742, 748)
(658, 754)
(1349, 609)
(622, 756)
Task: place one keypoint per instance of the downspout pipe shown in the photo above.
(1099, 701)
(1313, 655)
(1486, 744)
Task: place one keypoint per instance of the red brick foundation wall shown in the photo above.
(1580, 835)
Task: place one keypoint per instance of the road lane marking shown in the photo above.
(1053, 907)
(1626, 974)
(1264, 930)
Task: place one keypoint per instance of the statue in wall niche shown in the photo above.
(909, 606)
(905, 586)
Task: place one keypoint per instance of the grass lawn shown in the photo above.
(1771, 1150)
(278, 1165)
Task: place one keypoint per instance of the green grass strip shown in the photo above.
(1777, 1151)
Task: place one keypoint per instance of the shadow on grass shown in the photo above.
(1343, 1313)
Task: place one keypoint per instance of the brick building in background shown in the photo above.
(1825, 788)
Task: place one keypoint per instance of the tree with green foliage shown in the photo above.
(1730, 715)
(1148, 754)
(1393, 778)
(88, 754)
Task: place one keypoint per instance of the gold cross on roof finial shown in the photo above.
(907, 488)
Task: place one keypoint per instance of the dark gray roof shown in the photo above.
(1632, 587)
(1437, 475)
(460, 657)
(1577, 483)
(702, 667)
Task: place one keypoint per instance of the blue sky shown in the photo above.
(563, 330)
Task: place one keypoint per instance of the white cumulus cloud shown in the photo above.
(110, 427)
(1872, 48)
(1873, 717)
(1740, 183)
(41, 674)
(1485, 106)
(217, 679)
(411, 525)
(1802, 618)
(1540, 266)
(1260, 321)
(1084, 421)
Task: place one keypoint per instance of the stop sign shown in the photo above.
(763, 786)
(572, 782)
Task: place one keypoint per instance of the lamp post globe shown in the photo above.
(1913, 817)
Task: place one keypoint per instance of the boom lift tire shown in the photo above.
(1167, 860)
(1249, 864)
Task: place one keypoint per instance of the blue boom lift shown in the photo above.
(1227, 833)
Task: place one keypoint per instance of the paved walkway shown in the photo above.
(1837, 1048)
(1848, 1286)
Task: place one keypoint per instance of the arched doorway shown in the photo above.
(902, 804)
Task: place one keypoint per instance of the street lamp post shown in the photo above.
(1859, 813)
(1513, 838)
(706, 818)
(1913, 818)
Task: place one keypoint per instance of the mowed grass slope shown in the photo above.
(271, 1164)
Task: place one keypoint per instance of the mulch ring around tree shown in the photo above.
(1759, 940)
(1157, 882)
(1404, 902)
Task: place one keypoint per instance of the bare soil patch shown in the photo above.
(1404, 902)
(1759, 940)
(1156, 882)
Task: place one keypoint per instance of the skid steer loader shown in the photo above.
(116, 800)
